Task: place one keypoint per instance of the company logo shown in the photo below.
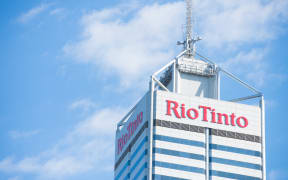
(215, 117)
(131, 128)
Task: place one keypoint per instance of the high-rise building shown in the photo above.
(181, 129)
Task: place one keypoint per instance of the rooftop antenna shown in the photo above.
(189, 42)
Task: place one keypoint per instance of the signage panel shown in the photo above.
(210, 113)
(131, 127)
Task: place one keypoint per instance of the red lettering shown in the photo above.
(125, 138)
(192, 113)
(139, 118)
(220, 115)
(131, 128)
(205, 112)
(173, 108)
(232, 117)
(134, 126)
(196, 114)
(183, 110)
(137, 121)
(119, 145)
(213, 116)
(244, 120)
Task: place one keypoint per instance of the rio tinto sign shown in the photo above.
(129, 131)
(206, 112)
(181, 111)
(131, 126)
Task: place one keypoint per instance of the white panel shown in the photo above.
(236, 170)
(192, 85)
(178, 173)
(219, 178)
(170, 85)
(235, 143)
(179, 160)
(252, 113)
(179, 134)
(180, 147)
(236, 156)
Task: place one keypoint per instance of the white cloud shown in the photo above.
(89, 147)
(14, 178)
(103, 122)
(233, 23)
(83, 104)
(254, 56)
(132, 43)
(57, 11)
(250, 65)
(22, 134)
(254, 66)
(25, 17)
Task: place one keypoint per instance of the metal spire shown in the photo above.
(189, 42)
(188, 19)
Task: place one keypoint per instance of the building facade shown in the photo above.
(188, 132)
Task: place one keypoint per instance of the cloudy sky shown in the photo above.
(71, 69)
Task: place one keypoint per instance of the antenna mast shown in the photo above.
(188, 19)
(189, 42)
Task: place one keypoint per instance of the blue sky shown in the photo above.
(71, 69)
